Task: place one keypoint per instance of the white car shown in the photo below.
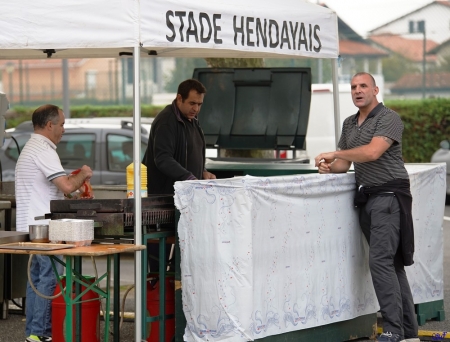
(443, 156)
(104, 144)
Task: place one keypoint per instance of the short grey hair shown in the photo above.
(44, 114)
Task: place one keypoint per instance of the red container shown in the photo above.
(153, 309)
(90, 315)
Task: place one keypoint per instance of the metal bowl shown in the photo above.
(38, 233)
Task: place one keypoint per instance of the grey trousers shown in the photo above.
(380, 224)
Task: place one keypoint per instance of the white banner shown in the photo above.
(219, 28)
(204, 28)
(265, 256)
(68, 24)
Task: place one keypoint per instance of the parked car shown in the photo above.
(443, 156)
(105, 144)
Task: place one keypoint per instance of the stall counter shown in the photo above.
(262, 256)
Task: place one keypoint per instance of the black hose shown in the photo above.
(17, 144)
(18, 150)
(17, 304)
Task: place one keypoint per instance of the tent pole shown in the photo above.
(137, 193)
(337, 117)
(66, 93)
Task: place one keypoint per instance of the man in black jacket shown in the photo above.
(176, 146)
(372, 140)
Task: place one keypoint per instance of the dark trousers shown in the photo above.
(380, 223)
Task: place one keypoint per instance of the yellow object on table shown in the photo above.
(130, 180)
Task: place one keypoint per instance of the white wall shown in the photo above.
(437, 24)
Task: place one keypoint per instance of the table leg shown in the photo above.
(116, 320)
(162, 289)
(161, 317)
(77, 268)
(108, 279)
(68, 299)
(73, 275)
(144, 288)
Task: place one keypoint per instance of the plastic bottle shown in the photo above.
(130, 180)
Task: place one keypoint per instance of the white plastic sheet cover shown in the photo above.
(428, 184)
(49, 24)
(264, 256)
(289, 27)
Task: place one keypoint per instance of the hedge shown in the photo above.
(426, 122)
(18, 114)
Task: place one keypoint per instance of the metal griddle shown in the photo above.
(115, 217)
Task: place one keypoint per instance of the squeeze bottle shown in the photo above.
(130, 180)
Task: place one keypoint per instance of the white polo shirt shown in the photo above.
(37, 166)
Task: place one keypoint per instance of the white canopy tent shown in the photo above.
(168, 28)
(289, 28)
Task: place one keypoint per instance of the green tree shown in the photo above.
(235, 62)
(184, 69)
(312, 63)
(395, 66)
(444, 64)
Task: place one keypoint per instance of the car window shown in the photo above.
(120, 151)
(11, 150)
(76, 150)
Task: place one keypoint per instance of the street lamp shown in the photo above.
(415, 27)
(421, 28)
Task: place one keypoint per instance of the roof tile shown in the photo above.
(433, 80)
(411, 49)
(353, 48)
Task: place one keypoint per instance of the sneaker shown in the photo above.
(390, 337)
(35, 338)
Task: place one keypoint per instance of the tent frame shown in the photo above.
(137, 175)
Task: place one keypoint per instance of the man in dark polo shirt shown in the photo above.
(372, 140)
(176, 146)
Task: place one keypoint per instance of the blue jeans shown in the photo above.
(39, 310)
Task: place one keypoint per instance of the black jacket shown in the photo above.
(401, 189)
(166, 155)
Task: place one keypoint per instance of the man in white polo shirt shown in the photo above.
(40, 178)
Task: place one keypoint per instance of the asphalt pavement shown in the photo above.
(12, 329)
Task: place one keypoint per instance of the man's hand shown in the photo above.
(324, 161)
(328, 157)
(208, 175)
(87, 172)
(72, 182)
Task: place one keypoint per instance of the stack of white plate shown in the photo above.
(72, 231)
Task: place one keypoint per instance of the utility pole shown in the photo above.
(421, 28)
(414, 27)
